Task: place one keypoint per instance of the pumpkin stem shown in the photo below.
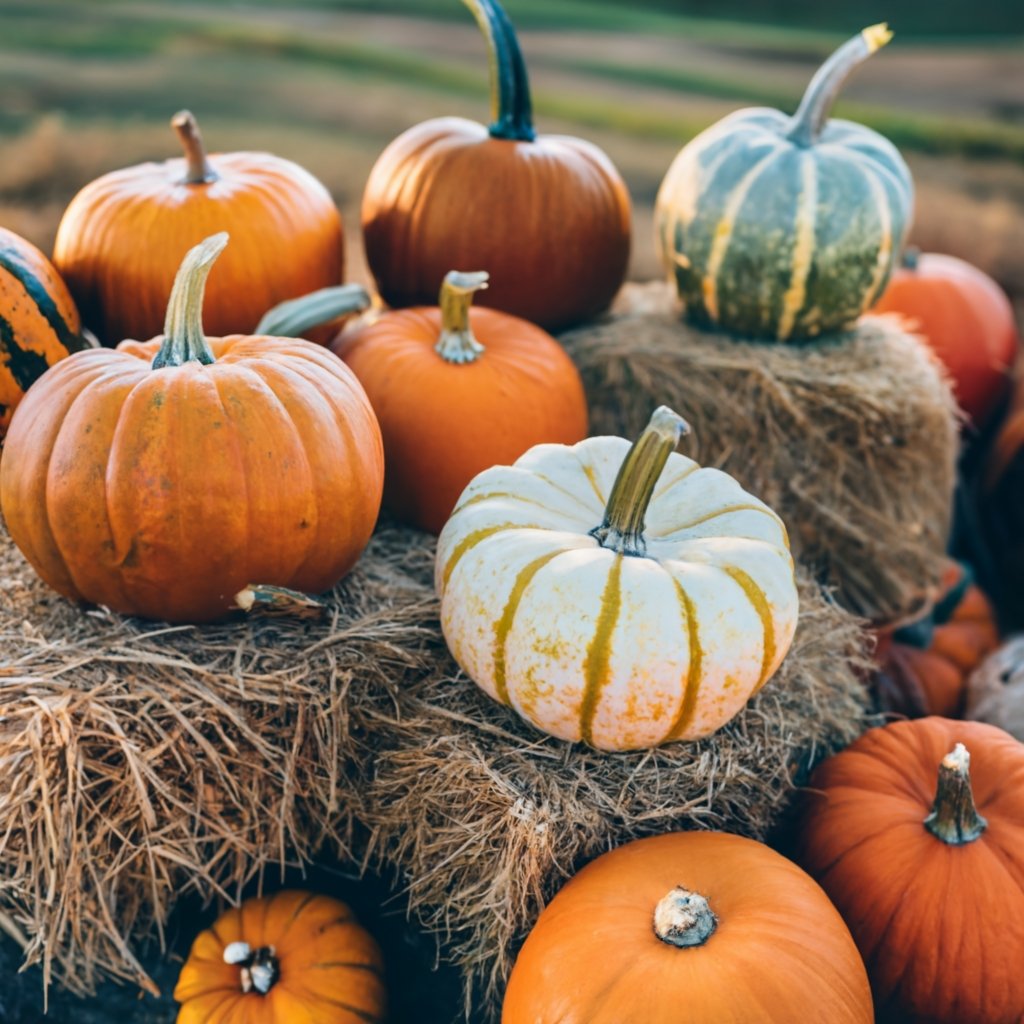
(456, 343)
(623, 527)
(954, 819)
(183, 329)
(684, 919)
(809, 120)
(292, 317)
(260, 968)
(197, 168)
(511, 107)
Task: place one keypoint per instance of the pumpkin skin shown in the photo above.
(995, 690)
(547, 216)
(39, 324)
(121, 237)
(647, 635)
(924, 666)
(446, 418)
(967, 321)
(779, 952)
(940, 924)
(330, 968)
(164, 492)
(781, 227)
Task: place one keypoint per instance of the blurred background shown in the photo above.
(87, 86)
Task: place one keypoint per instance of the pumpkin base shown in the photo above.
(852, 439)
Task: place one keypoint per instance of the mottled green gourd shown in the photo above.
(784, 227)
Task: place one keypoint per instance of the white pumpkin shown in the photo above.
(559, 601)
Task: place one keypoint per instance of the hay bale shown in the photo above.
(853, 442)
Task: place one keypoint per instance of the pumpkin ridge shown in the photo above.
(803, 250)
(353, 965)
(472, 540)
(693, 669)
(664, 488)
(41, 298)
(884, 257)
(588, 472)
(503, 626)
(596, 664)
(558, 487)
(725, 510)
(761, 605)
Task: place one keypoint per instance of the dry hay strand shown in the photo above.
(139, 762)
(484, 818)
(853, 441)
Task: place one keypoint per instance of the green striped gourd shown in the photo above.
(39, 323)
(786, 227)
(620, 596)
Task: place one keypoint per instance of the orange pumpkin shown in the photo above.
(966, 319)
(120, 240)
(39, 324)
(700, 927)
(293, 958)
(458, 390)
(926, 865)
(162, 477)
(547, 215)
(924, 666)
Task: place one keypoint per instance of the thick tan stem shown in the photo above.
(623, 526)
(457, 343)
(259, 968)
(684, 919)
(197, 168)
(954, 818)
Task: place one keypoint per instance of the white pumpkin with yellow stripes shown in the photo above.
(620, 596)
(784, 227)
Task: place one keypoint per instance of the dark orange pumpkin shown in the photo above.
(39, 323)
(120, 240)
(967, 321)
(163, 477)
(700, 927)
(548, 216)
(925, 861)
(458, 390)
(924, 665)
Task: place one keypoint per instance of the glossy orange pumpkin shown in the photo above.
(39, 323)
(916, 832)
(548, 216)
(967, 321)
(458, 390)
(293, 958)
(163, 477)
(120, 240)
(924, 666)
(700, 927)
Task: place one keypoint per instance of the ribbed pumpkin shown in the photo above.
(967, 321)
(916, 832)
(924, 665)
(121, 237)
(700, 927)
(457, 390)
(618, 595)
(785, 227)
(548, 216)
(292, 958)
(163, 477)
(39, 323)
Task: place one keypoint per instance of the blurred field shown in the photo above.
(86, 87)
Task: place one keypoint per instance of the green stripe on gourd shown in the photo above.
(786, 227)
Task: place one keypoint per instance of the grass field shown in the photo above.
(86, 87)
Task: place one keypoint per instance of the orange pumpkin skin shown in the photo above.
(39, 324)
(779, 954)
(941, 927)
(967, 321)
(443, 422)
(121, 238)
(331, 970)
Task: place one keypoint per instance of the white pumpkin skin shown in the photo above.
(619, 651)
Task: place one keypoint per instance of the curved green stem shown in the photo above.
(291, 318)
(623, 527)
(809, 120)
(457, 343)
(183, 329)
(197, 168)
(511, 107)
(954, 819)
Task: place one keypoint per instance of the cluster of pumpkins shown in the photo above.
(161, 478)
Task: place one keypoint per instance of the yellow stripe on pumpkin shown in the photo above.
(691, 687)
(598, 660)
(477, 537)
(882, 261)
(764, 612)
(803, 249)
